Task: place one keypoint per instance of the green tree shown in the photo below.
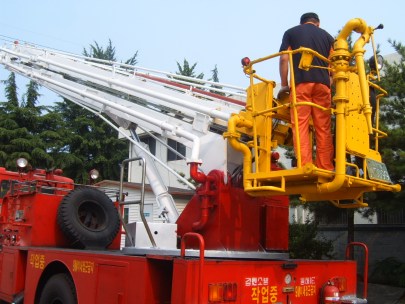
(188, 71)
(89, 143)
(216, 79)
(11, 90)
(97, 51)
(24, 131)
(392, 119)
(30, 98)
(305, 241)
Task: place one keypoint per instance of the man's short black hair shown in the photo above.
(311, 17)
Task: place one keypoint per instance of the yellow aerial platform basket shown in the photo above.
(352, 114)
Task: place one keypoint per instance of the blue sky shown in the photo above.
(208, 32)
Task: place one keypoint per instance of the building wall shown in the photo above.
(170, 180)
(383, 241)
(300, 214)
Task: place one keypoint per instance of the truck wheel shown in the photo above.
(88, 218)
(59, 289)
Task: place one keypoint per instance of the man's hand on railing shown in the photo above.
(284, 89)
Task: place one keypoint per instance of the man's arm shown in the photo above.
(284, 72)
(331, 74)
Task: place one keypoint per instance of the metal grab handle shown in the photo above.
(202, 249)
(140, 202)
(365, 263)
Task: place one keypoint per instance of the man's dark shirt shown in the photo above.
(310, 36)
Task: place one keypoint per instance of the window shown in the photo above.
(151, 142)
(5, 186)
(178, 147)
(126, 215)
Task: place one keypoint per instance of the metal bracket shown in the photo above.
(201, 122)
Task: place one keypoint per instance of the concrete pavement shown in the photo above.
(380, 294)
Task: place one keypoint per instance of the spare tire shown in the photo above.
(88, 218)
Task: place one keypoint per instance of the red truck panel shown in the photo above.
(13, 265)
(261, 281)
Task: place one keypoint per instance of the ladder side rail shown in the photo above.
(74, 100)
(191, 90)
(117, 80)
(74, 56)
(191, 84)
(163, 125)
(211, 138)
(223, 106)
(210, 142)
(147, 90)
(143, 112)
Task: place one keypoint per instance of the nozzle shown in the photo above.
(380, 27)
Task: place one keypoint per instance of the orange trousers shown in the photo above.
(319, 94)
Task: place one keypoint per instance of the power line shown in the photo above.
(41, 34)
(6, 39)
(16, 39)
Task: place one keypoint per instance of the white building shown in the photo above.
(163, 153)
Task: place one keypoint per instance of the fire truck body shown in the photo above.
(112, 277)
(60, 241)
(241, 254)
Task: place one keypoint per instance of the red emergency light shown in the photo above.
(275, 156)
(245, 61)
(58, 172)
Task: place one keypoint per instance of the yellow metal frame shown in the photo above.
(311, 182)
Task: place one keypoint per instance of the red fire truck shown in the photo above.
(60, 241)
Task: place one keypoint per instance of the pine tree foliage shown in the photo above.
(11, 90)
(97, 51)
(392, 120)
(216, 79)
(187, 70)
(24, 130)
(89, 143)
(306, 241)
(132, 60)
(30, 98)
